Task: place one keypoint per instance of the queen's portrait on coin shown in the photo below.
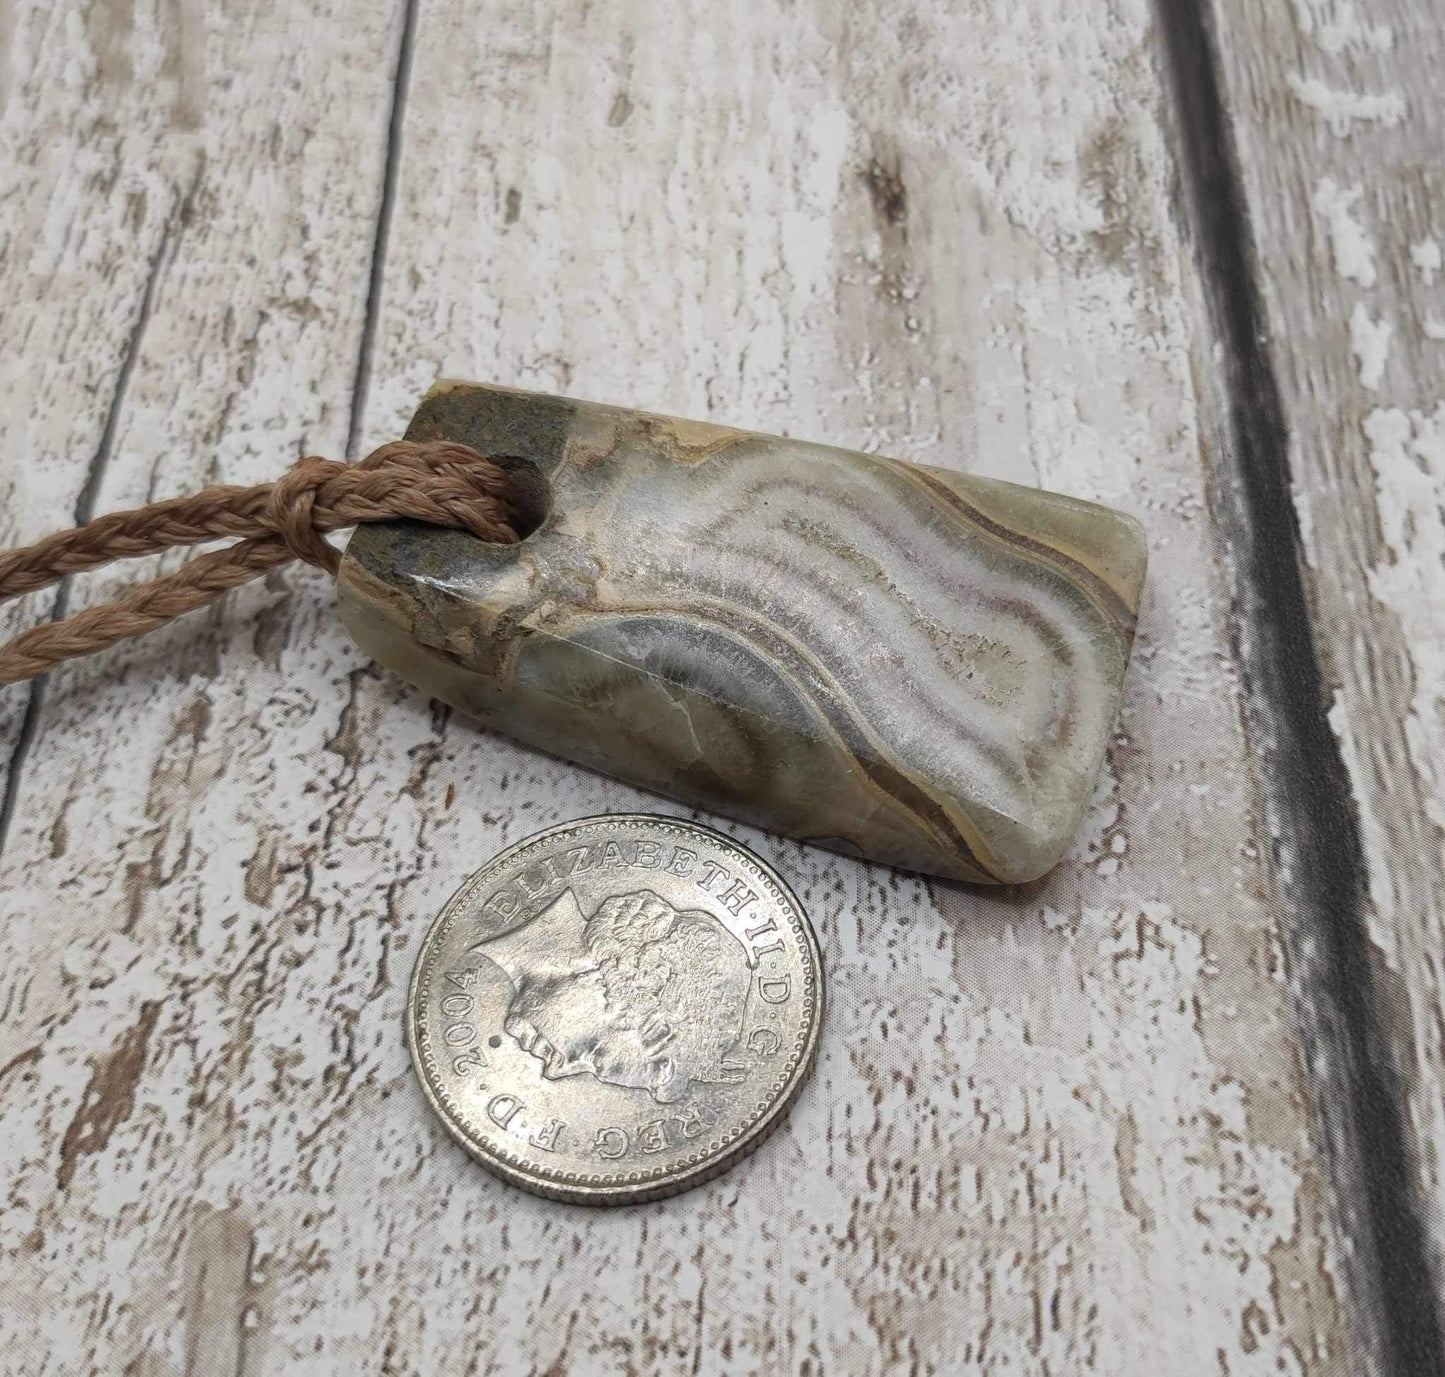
(640, 994)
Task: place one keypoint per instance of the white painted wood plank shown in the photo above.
(130, 856)
(1053, 1130)
(1338, 116)
(98, 152)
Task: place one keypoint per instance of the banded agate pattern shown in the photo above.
(905, 664)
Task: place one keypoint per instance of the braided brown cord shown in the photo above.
(440, 482)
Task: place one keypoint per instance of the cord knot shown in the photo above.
(436, 481)
(291, 511)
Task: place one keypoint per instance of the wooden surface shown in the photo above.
(1074, 1127)
(1339, 122)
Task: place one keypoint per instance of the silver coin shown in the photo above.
(616, 1009)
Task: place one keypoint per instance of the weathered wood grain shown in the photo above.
(1339, 124)
(99, 157)
(1055, 1129)
(187, 244)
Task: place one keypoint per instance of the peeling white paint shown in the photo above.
(1337, 27)
(1364, 405)
(1354, 249)
(1425, 255)
(1407, 453)
(1345, 109)
(1370, 343)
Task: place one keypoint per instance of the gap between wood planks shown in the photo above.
(1319, 859)
(89, 495)
(401, 84)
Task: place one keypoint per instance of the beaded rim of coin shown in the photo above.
(722, 1152)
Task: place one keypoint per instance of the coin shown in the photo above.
(616, 1009)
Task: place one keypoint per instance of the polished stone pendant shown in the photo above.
(899, 662)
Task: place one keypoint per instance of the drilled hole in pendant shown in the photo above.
(529, 490)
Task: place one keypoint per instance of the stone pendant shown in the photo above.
(901, 663)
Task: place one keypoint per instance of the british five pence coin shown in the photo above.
(616, 1009)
